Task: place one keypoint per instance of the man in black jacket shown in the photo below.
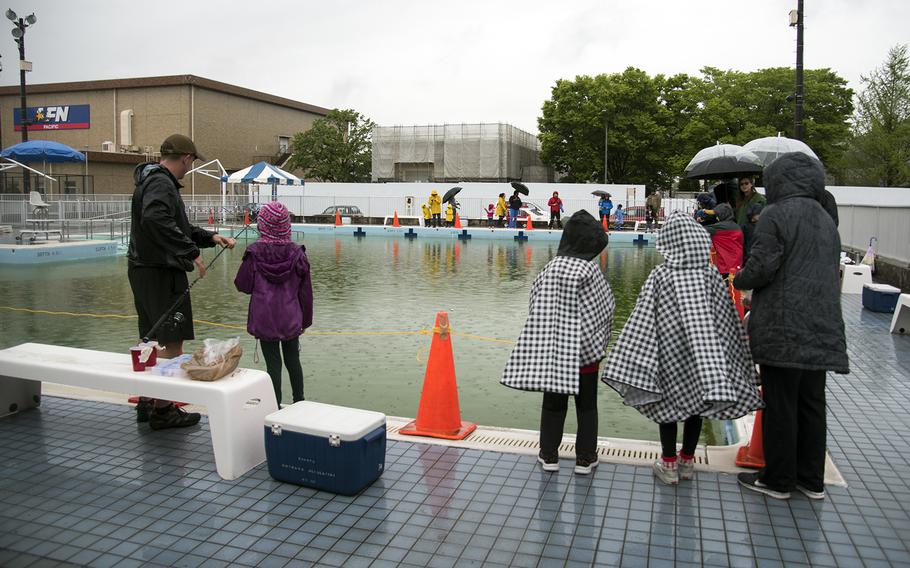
(796, 330)
(164, 246)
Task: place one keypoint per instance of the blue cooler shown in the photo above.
(880, 297)
(327, 447)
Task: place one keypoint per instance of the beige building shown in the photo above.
(120, 123)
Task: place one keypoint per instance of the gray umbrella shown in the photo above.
(723, 161)
(770, 148)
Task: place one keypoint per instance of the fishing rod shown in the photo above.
(177, 316)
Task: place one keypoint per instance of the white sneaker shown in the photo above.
(548, 465)
(686, 469)
(817, 495)
(666, 471)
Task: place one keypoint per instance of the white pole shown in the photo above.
(223, 201)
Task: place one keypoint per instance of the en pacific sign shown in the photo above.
(63, 117)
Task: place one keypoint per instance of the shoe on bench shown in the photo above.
(144, 409)
(171, 416)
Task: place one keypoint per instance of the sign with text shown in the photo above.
(54, 117)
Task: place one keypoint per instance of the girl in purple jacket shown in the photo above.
(276, 273)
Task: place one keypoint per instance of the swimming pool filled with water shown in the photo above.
(372, 297)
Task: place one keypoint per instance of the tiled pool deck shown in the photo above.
(82, 485)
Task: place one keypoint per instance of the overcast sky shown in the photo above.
(426, 62)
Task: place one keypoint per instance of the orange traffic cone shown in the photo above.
(605, 223)
(246, 216)
(530, 226)
(395, 222)
(457, 221)
(753, 454)
(439, 415)
(211, 217)
(337, 218)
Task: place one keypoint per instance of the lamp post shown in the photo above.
(796, 20)
(18, 31)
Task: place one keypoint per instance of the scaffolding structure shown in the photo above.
(456, 152)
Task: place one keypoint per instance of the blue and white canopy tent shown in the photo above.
(264, 174)
(32, 151)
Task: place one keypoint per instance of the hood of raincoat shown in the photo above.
(276, 261)
(583, 237)
(143, 171)
(794, 175)
(724, 212)
(683, 242)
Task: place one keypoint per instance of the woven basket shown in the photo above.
(199, 371)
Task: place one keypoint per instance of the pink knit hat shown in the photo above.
(274, 223)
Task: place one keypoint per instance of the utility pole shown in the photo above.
(606, 147)
(798, 120)
(18, 31)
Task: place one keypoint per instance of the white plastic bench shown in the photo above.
(236, 405)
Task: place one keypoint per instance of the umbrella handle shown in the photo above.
(872, 239)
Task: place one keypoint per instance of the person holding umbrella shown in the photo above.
(435, 207)
(514, 208)
(745, 197)
(605, 205)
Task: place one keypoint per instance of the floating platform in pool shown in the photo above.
(54, 251)
(521, 235)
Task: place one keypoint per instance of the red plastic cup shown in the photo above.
(135, 352)
(153, 357)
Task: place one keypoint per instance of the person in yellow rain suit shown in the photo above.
(450, 215)
(426, 214)
(501, 208)
(436, 207)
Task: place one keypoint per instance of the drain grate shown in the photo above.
(616, 450)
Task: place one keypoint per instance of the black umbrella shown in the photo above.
(600, 193)
(723, 161)
(520, 187)
(450, 194)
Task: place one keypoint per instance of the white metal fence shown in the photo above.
(15, 207)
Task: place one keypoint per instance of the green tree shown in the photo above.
(573, 121)
(338, 148)
(657, 124)
(736, 107)
(880, 150)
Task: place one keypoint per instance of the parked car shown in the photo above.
(537, 214)
(344, 210)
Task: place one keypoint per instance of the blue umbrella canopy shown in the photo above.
(42, 151)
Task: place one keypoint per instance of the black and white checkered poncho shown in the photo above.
(683, 351)
(569, 321)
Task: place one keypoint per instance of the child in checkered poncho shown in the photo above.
(561, 345)
(683, 354)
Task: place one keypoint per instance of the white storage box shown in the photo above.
(326, 447)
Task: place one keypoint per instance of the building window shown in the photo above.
(284, 144)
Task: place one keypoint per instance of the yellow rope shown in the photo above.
(242, 327)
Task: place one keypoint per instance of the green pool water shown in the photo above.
(366, 292)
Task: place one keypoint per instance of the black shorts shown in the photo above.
(154, 291)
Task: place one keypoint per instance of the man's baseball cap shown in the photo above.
(178, 144)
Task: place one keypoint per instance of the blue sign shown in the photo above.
(53, 117)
